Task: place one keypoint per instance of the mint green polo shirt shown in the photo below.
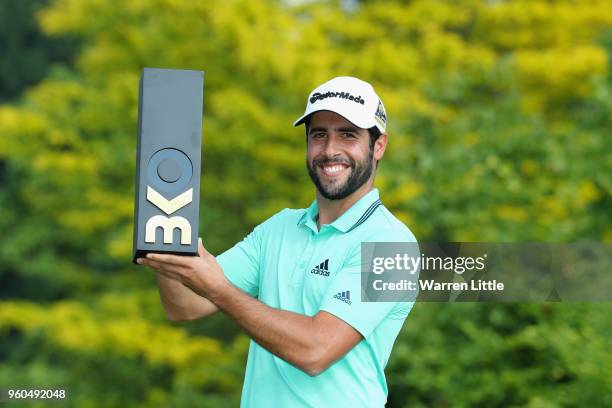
(288, 264)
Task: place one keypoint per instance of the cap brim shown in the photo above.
(345, 115)
(302, 119)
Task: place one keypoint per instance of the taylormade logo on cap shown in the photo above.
(317, 97)
(351, 98)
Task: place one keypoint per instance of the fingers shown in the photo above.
(201, 250)
(165, 267)
(169, 259)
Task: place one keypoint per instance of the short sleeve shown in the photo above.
(241, 263)
(343, 300)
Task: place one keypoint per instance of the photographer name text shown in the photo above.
(431, 285)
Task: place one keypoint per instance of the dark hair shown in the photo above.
(374, 135)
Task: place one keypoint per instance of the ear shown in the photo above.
(380, 146)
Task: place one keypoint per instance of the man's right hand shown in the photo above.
(180, 302)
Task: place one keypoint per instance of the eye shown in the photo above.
(317, 135)
(349, 135)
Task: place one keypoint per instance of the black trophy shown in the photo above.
(168, 162)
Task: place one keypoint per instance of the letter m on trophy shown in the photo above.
(168, 162)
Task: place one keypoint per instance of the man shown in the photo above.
(294, 283)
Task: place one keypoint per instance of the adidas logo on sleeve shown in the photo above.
(321, 269)
(344, 296)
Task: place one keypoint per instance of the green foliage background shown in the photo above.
(500, 121)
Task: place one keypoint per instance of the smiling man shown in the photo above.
(294, 283)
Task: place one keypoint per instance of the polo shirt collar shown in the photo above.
(353, 217)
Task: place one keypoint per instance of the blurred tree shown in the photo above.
(533, 355)
(499, 131)
(27, 53)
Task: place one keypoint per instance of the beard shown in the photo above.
(360, 173)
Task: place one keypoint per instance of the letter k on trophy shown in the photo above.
(168, 161)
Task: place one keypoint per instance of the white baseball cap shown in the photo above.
(351, 98)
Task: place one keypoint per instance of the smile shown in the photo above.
(331, 170)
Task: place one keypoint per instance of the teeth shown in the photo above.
(333, 169)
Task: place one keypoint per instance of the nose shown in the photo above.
(331, 146)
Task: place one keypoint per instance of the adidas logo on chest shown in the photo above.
(321, 269)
